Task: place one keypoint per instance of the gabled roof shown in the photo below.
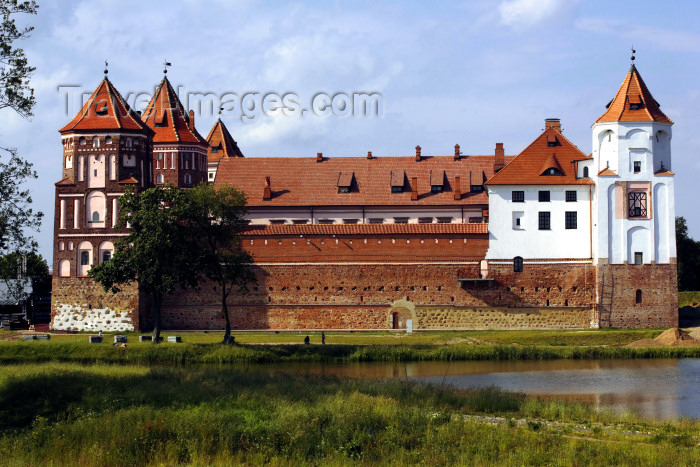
(166, 116)
(128, 181)
(528, 166)
(437, 177)
(663, 171)
(633, 91)
(64, 181)
(302, 181)
(607, 172)
(106, 109)
(345, 179)
(220, 139)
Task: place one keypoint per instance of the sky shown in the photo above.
(472, 73)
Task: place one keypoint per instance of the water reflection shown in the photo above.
(662, 388)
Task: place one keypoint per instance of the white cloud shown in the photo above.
(526, 13)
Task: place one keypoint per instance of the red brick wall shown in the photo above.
(618, 284)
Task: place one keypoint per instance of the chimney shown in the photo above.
(552, 123)
(369, 154)
(457, 154)
(499, 160)
(267, 191)
(319, 157)
(414, 184)
(192, 119)
(457, 190)
(417, 153)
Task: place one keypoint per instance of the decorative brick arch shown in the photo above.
(399, 312)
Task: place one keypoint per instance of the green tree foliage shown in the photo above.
(159, 252)
(11, 264)
(688, 254)
(15, 71)
(218, 218)
(16, 94)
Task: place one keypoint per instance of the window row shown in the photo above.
(97, 142)
(570, 220)
(543, 196)
(160, 179)
(95, 210)
(188, 160)
(84, 258)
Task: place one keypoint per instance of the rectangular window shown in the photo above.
(350, 221)
(637, 166)
(444, 220)
(376, 220)
(326, 221)
(544, 220)
(425, 220)
(299, 221)
(637, 204)
(518, 196)
(638, 258)
(571, 219)
(517, 220)
(400, 220)
(477, 188)
(436, 188)
(343, 189)
(570, 196)
(544, 196)
(277, 221)
(397, 189)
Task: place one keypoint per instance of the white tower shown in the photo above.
(634, 242)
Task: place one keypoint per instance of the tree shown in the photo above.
(159, 251)
(218, 218)
(16, 94)
(14, 266)
(688, 254)
(15, 71)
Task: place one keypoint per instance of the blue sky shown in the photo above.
(473, 72)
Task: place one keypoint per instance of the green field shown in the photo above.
(70, 414)
(266, 347)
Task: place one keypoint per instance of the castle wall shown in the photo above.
(618, 285)
(364, 296)
(80, 304)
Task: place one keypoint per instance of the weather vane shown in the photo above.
(106, 67)
(633, 52)
(166, 64)
(221, 109)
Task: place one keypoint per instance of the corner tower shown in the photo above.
(634, 222)
(106, 147)
(221, 144)
(179, 151)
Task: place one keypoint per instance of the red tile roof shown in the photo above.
(528, 166)
(128, 181)
(220, 139)
(106, 109)
(64, 181)
(166, 116)
(633, 91)
(663, 171)
(365, 229)
(301, 181)
(607, 171)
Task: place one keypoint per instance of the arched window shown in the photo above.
(128, 142)
(69, 162)
(70, 246)
(188, 179)
(95, 209)
(81, 141)
(638, 297)
(96, 142)
(106, 251)
(552, 171)
(585, 172)
(84, 258)
(159, 179)
(112, 167)
(61, 246)
(95, 216)
(108, 140)
(518, 264)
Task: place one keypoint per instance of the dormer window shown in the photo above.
(585, 172)
(437, 181)
(397, 180)
(477, 181)
(214, 150)
(635, 102)
(345, 181)
(552, 171)
(552, 141)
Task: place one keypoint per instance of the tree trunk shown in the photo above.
(157, 301)
(224, 310)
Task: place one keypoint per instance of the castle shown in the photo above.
(550, 238)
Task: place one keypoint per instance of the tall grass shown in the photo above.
(36, 351)
(688, 299)
(69, 414)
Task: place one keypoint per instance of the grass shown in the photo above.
(689, 299)
(70, 414)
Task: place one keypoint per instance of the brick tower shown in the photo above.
(221, 144)
(106, 147)
(634, 221)
(179, 151)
